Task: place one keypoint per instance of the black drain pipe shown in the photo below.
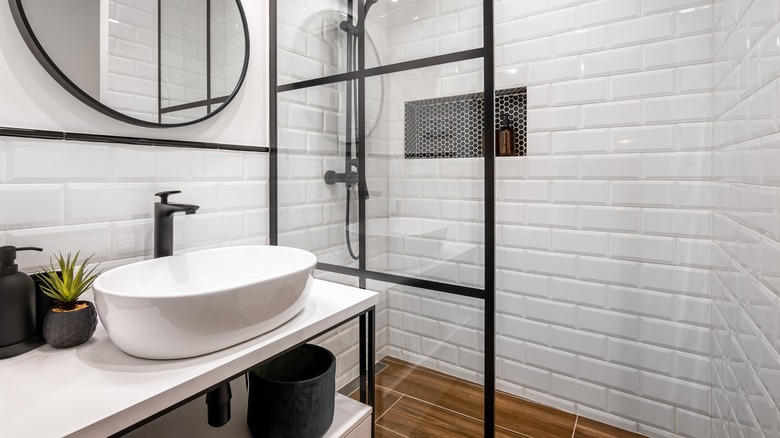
(218, 405)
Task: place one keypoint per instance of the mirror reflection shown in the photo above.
(155, 61)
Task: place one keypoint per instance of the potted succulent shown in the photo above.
(69, 322)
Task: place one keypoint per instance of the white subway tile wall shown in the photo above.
(604, 231)
(312, 123)
(744, 346)
(68, 196)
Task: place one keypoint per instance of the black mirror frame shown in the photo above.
(48, 64)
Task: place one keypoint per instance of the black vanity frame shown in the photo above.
(362, 273)
(48, 64)
(369, 342)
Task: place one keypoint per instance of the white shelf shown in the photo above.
(190, 420)
(97, 390)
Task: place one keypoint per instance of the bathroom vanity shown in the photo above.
(97, 390)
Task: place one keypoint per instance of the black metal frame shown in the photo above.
(367, 315)
(48, 64)
(488, 293)
(118, 139)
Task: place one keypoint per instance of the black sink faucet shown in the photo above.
(163, 222)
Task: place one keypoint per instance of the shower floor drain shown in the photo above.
(353, 385)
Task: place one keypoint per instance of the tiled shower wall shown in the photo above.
(99, 199)
(311, 123)
(604, 230)
(746, 362)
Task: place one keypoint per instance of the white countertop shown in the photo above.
(96, 390)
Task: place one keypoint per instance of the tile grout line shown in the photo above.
(448, 410)
(391, 406)
(391, 431)
(444, 409)
(439, 374)
(576, 420)
(435, 373)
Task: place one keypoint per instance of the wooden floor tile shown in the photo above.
(435, 404)
(382, 432)
(587, 428)
(414, 418)
(531, 418)
(447, 392)
(461, 396)
(384, 399)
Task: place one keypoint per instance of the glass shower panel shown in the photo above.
(424, 131)
(315, 38)
(311, 141)
(400, 31)
(434, 357)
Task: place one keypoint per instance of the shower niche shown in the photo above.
(451, 127)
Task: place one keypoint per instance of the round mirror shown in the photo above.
(159, 63)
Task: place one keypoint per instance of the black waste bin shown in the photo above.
(293, 395)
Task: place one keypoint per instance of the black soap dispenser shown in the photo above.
(17, 306)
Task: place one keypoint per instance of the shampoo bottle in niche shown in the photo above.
(505, 137)
(17, 301)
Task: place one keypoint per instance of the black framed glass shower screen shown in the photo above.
(338, 105)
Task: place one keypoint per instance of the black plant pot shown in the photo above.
(68, 329)
(293, 395)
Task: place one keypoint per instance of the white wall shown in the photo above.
(30, 98)
(746, 362)
(53, 24)
(98, 198)
(604, 234)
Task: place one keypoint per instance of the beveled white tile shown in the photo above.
(649, 84)
(92, 203)
(217, 165)
(611, 62)
(89, 239)
(240, 195)
(213, 228)
(642, 30)
(133, 238)
(580, 41)
(605, 11)
(57, 161)
(582, 91)
(551, 23)
(31, 205)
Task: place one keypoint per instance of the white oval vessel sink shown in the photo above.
(196, 303)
